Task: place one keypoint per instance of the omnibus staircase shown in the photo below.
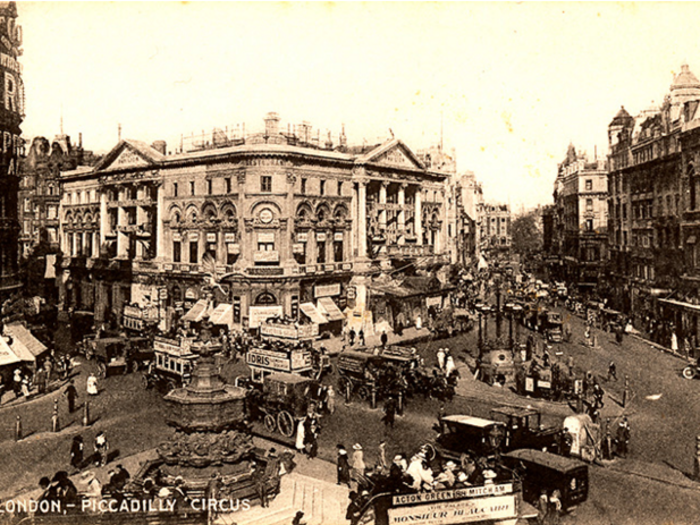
(321, 502)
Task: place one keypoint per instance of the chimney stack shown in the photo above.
(272, 121)
(160, 146)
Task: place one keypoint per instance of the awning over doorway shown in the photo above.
(7, 356)
(310, 311)
(198, 311)
(327, 306)
(25, 345)
(222, 314)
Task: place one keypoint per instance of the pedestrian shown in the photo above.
(49, 367)
(25, 386)
(351, 336)
(17, 382)
(343, 466)
(330, 400)
(542, 508)
(674, 342)
(92, 389)
(382, 455)
(384, 338)
(612, 371)
(299, 443)
(40, 380)
(450, 366)
(358, 462)
(441, 358)
(361, 336)
(555, 508)
(76, 452)
(71, 394)
(298, 519)
(101, 449)
(389, 412)
(623, 438)
(313, 439)
(257, 475)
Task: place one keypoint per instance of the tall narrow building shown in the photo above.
(11, 115)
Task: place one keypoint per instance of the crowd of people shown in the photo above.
(25, 381)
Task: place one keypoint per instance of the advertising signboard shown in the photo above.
(258, 314)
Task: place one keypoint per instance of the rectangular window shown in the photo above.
(227, 183)
(174, 189)
(589, 184)
(295, 306)
(321, 249)
(191, 187)
(194, 251)
(589, 204)
(266, 246)
(265, 183)
(338, 251)
(322, 188)
(303, 186)
(209, 186)
(340, 187)
(236, 309)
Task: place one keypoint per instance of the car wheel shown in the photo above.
(270, 423)
(285, 423)
(689, 372)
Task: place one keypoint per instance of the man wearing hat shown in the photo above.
(446, 478)
(298, 519)
(272, 469)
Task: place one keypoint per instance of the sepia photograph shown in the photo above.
(349, 263)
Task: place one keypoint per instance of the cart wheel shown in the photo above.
(144, 381)
(689, 372)
(430, 452)
(285, 423)
(170, 386)
(270, 423)
(102, 370)
(364, 392)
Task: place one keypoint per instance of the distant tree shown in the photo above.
(527, 238)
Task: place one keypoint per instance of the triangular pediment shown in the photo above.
(395, 154)
(130, 154)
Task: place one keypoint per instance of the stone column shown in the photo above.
(104, 220)
(122, 238)
(418, 219)
(442, 233)
(382, 201)
(362, 219)
(353, 224)
(402, 213)
(160, 217)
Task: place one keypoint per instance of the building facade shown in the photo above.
(11, 116)
(646, 201)
(579, 237)
(277, 220)
(494, 227)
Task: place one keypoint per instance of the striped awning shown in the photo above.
(197, 312)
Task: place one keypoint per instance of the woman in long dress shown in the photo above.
(300, 435)
(92, 385)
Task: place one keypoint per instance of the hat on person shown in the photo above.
(450, 465)
(299, 513)
(357, 446)
(397, 458)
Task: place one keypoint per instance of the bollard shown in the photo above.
(697, 458)
(18, 429)
(348, 392)
(54, 418)
(400, 404)
(579, 404)
(594, 341)
(86, 414)
(625, 392)
(373, 399)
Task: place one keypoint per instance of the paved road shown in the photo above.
(663, 429)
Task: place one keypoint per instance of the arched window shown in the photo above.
(265, 298)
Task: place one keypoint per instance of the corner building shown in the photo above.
(279, 219)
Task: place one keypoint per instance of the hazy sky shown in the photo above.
(515, 82)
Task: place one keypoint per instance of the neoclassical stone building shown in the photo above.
(281, 221)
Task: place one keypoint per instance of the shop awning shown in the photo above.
(681, 304)
(222, 314)
(310, 311)
(7, 356)
(197, 313)
(24, 338)
(327, 306)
